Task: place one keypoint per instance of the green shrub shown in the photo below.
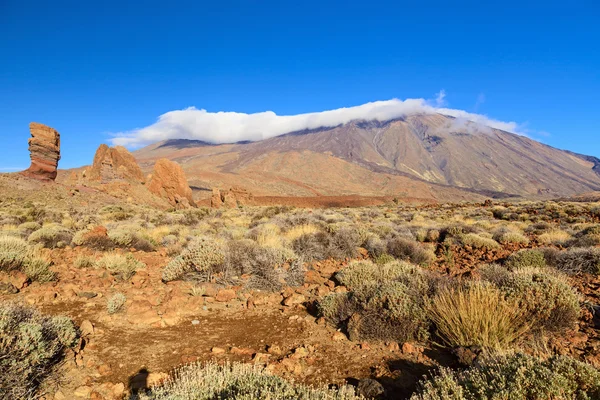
(238, 381)
(51, 236)
(515, 377)
(477, 315)
(119, 265)
(31, 345)
(478, 242)
(385, 302)
(511, 238)
(202, 256)
(547, 298)
(29, 227)
(409, 250)
(526, 258)
(115, 303)
(16, 254)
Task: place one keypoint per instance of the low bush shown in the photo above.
(52, 236)
(121, 266)
(515, 377)
(555, 236)
(115, 303)
(478, 242)
(16, 254)
(384, 302)
(129, 237)
(238, 381)
(526, 258)
(202, 256)
(409, 250)
(477, 315)
(31, 345)
(83, 261)
(577, 260)
(547, 299)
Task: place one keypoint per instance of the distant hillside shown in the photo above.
(433, 157)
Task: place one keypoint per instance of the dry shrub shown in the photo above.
(51, 236)
(31, 346)
(202, 256)
(478, 242)
(515, 377)
(238, 381)
(555, 236)
(546, 297)
(577, 260)
(477, 315)
(384, 302)
(16, 254)
(115, 303)
(409, 250)
(119, 265)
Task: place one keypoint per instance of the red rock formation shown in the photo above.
(169, 182)
(114, 163)
(44, 148)
(230, 199)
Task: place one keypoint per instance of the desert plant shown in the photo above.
(478, 242)
(477, 315)
(526, 258)
(202, 256)
(84, 261)
(385, 302)
(238, 381)
(16, 254)
(115, 303)
(555, 236)
(409, 250)
(546, 297)
(515, 377)
(31, 345)
(578, 260)
(119, 265)
(51, 236)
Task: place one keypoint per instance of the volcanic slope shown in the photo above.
(426, 156)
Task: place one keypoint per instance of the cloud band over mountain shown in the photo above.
(230, 127)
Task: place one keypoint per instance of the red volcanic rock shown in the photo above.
(230, 199)
(169, 182)
(44, 149)
(114, 163)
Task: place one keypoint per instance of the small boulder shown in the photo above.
(169, 182)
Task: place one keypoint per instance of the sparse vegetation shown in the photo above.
(477, 315)
(239, 381)
(515, 377)
(115, 303)
(31, 345)
(119, 265)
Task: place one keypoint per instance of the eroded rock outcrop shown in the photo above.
(169, 182)
(230, 198)
(114, 163)
(44, 149)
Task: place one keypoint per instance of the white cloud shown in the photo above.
(440, 98)
(230, 127)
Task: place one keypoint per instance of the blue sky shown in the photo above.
(89, 69)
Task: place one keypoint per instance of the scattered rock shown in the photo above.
(44, 149)
(86, 328)
(18, 279)
(338, 336)
(83, 391)
(8, 288)
(217, 350)
(87, 295)
(195, 322)
(467, 355)
(294, 299)
(169, 182)
(231, 198)
(225, 295)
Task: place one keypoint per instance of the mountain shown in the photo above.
(425, 156)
